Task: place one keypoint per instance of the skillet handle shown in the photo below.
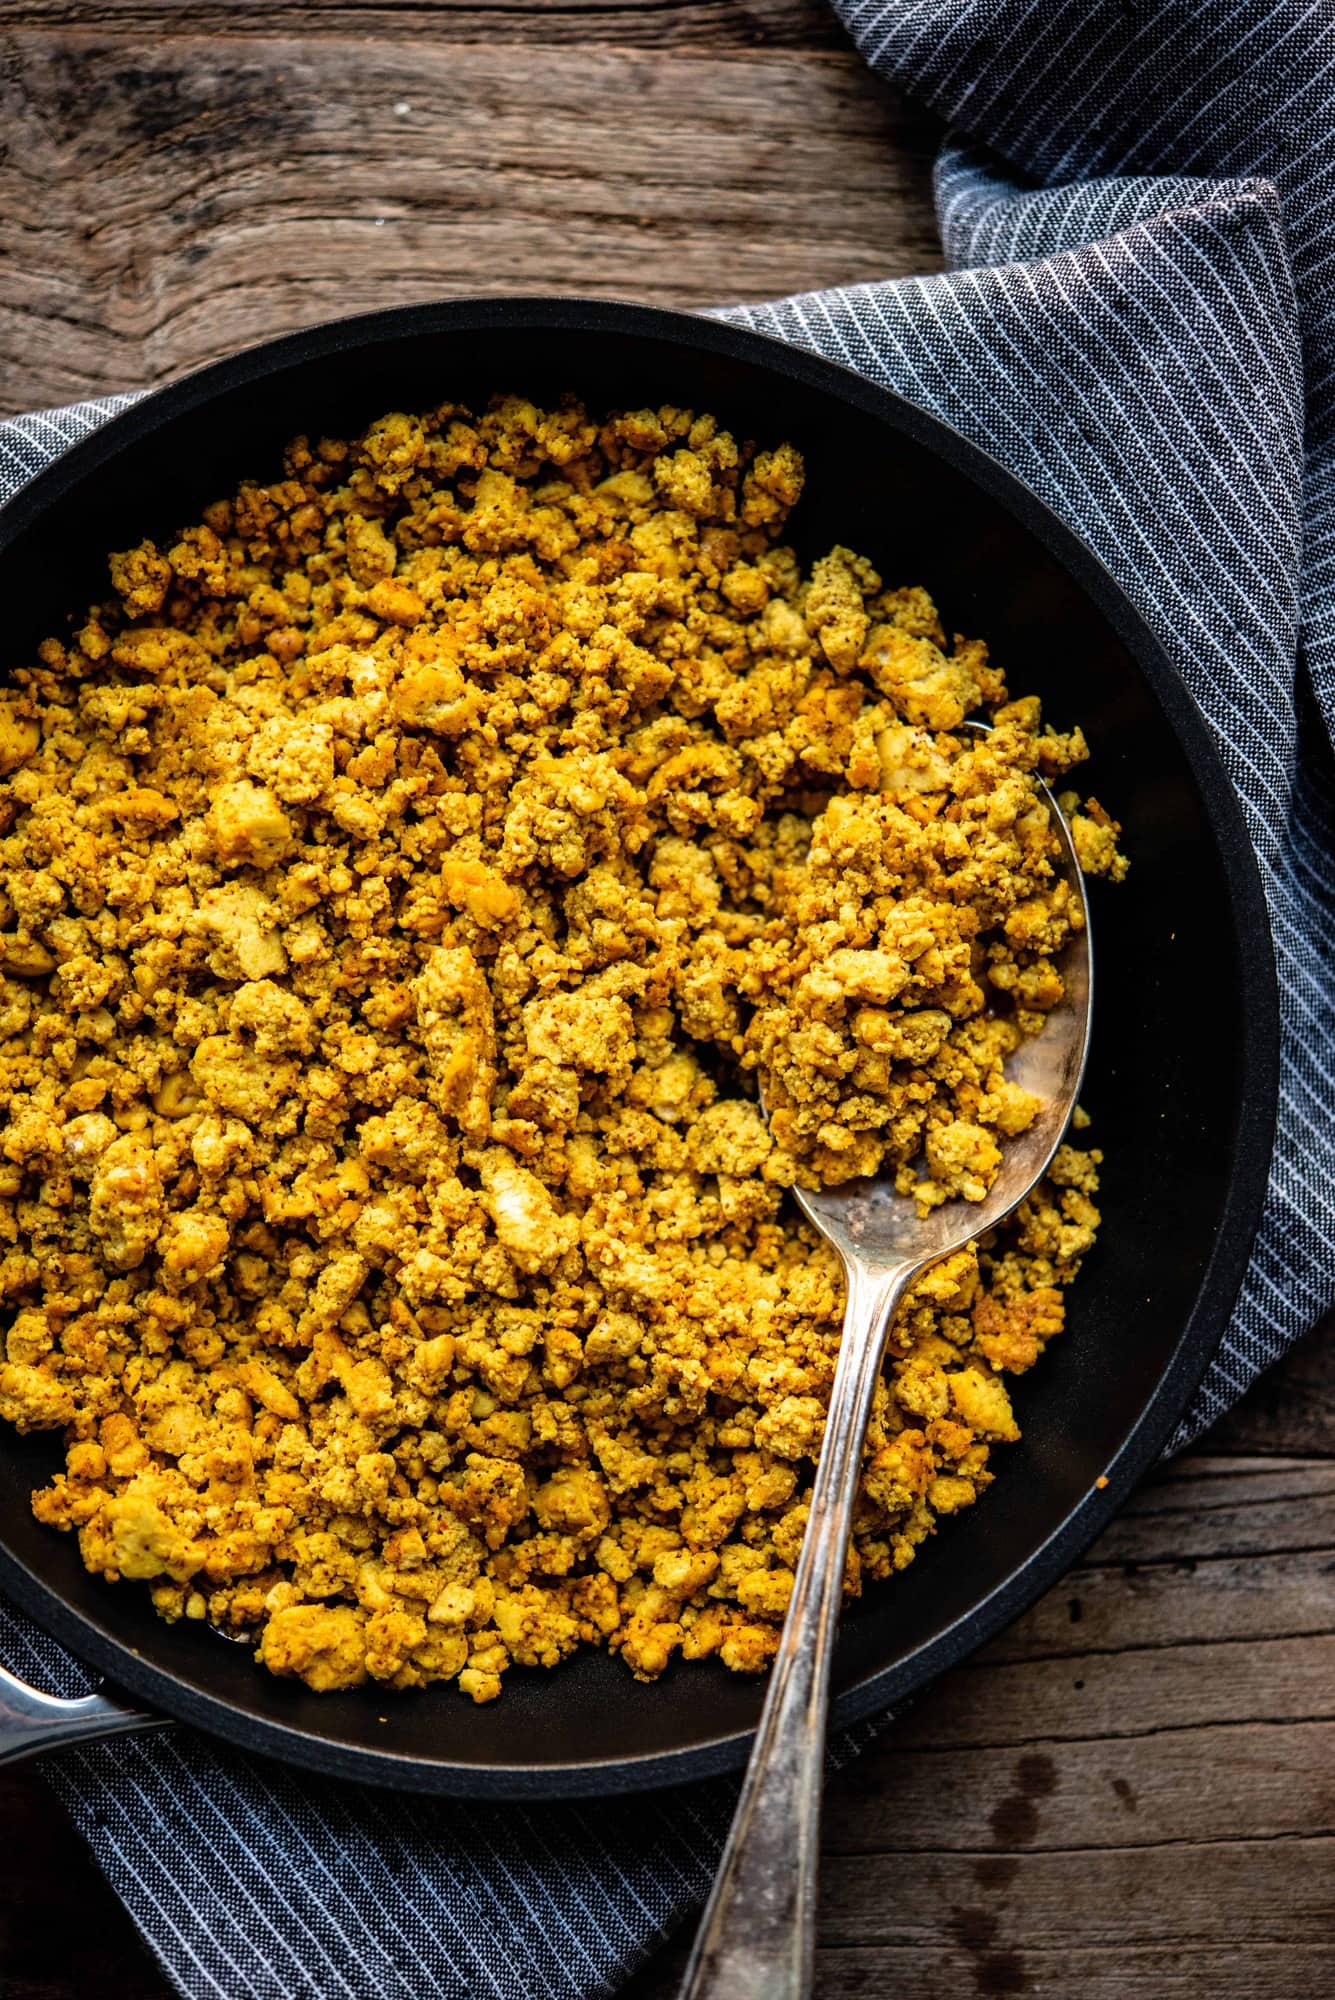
(31, 1722)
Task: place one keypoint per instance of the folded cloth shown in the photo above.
(1139, 302)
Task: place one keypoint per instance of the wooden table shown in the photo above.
(1130, 1794)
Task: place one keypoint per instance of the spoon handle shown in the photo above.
(31, 1722)
(755, 1938)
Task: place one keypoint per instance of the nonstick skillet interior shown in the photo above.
(1182, 1081)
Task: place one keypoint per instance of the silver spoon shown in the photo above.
(755, 1938)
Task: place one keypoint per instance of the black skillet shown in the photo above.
(1182, 1084)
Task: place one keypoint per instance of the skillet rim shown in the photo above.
(96, 1642)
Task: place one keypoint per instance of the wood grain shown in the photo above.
(168, 196)
(1290, 1409)
(675, 25)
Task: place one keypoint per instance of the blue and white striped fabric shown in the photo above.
(1140, 320)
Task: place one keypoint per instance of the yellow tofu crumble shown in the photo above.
(409, 878)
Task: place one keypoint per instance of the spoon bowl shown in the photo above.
(869, 1220)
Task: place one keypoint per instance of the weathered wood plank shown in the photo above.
(669, 24)
(1092, 1795)
(1120, 1696)
(1153, 1792)
(1180, 1566)
(1292, 1407)
(1122, 1898)
(1208, 1505)
(165, 201)
(1195, 1603)
(975, 1958)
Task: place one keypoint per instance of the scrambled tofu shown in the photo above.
(409, 878)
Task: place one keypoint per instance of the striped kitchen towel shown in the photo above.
(1140, 320)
